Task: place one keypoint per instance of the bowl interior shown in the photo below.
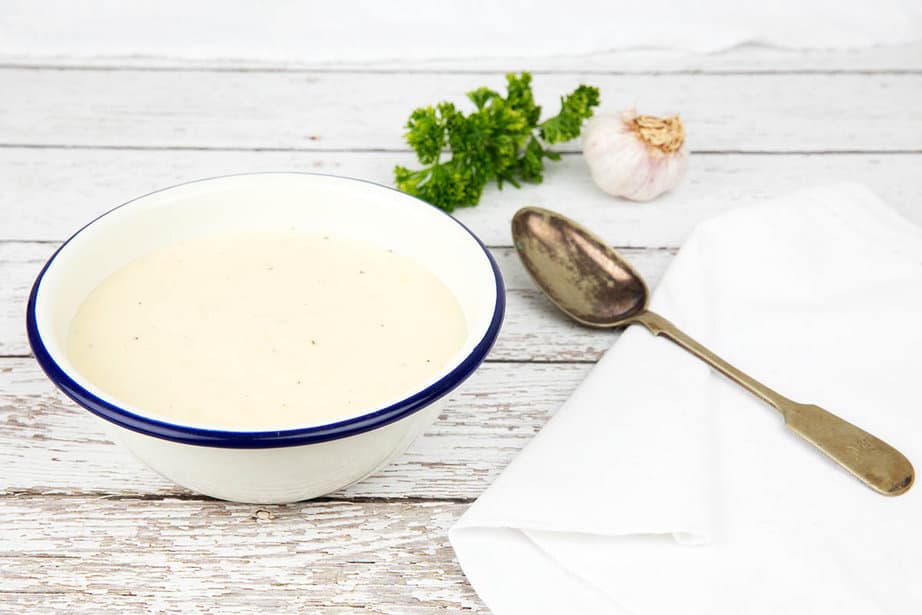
(314, 204)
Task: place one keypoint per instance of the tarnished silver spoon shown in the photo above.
(594, 285)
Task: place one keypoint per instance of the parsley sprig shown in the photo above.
(501, 140)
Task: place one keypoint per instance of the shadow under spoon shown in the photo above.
(593, 284)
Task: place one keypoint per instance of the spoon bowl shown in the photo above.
(579, 273)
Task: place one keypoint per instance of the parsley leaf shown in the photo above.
(574, 108)
(501, 140)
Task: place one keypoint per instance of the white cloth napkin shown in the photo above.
(661, 489)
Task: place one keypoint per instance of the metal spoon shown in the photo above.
(594, 285)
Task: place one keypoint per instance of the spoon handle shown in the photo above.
(870, 459)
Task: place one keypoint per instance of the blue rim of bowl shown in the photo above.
(264, 439)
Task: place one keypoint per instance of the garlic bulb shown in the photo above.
(635, 156)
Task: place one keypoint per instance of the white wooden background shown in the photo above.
(84, 528)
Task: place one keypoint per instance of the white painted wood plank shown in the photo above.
(747, 58)
(97, 555)
(736, 112)
(94, 180)
(48, 445)
(48, 194)
(19, 264)
(533, 329)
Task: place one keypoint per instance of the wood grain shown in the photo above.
(46, 194)
(117, 555)
(749, 59)
(333, 111)
(48, 445)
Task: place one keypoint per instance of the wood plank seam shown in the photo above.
(370, 70)
(184, 496)
(564, 151)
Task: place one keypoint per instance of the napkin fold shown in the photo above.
(660, 488)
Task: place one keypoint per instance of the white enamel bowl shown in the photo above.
(283, 464)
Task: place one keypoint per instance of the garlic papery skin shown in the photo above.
(637, 157)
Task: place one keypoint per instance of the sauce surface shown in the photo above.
(265, 330)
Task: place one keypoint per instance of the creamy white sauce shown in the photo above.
(265, 330)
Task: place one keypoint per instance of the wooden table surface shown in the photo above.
(84, 528)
